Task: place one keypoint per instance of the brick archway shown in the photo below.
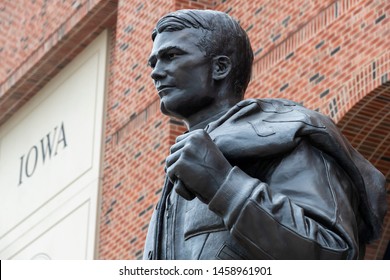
(367, 127)
(370, 80)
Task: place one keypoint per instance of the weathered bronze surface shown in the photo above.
(254, 178)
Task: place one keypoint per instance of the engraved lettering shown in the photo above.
(21, 170)
(61, 138)
(46, 146)
(30, 172)
(49, 145)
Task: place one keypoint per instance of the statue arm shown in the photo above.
(303, 212)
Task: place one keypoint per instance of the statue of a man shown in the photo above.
(255, 178)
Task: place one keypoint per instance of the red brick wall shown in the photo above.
(332, 56)
(23, 75)
(25, 25)
(309, 52)
(137, 135)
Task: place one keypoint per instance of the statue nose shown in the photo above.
(158, 73)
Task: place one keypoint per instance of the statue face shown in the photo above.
(182, 74)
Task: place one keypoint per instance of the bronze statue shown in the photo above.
(255, 178)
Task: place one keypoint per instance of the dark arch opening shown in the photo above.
(367, 127)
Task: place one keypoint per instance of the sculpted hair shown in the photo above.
(223, 35)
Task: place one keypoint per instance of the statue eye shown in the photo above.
(172, 55)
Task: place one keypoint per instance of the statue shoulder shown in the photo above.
(275, 110)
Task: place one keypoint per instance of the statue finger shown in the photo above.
(172, 158)
(181, 190)
(176, 147)
(190, 134)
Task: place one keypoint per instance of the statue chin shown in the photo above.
(163, 109)
(183, 109)
(169, 110)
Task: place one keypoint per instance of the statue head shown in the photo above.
(222, 36)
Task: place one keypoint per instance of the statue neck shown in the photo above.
(203, 118)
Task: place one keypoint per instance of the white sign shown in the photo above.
(50, 151)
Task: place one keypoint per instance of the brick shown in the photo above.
(335, 50)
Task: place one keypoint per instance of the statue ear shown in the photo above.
(221, 67)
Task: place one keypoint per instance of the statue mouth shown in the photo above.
(164, 89)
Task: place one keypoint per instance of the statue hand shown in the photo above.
(197, 166)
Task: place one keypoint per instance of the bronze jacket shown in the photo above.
(298, 190)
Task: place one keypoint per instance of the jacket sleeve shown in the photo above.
(304, 211)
